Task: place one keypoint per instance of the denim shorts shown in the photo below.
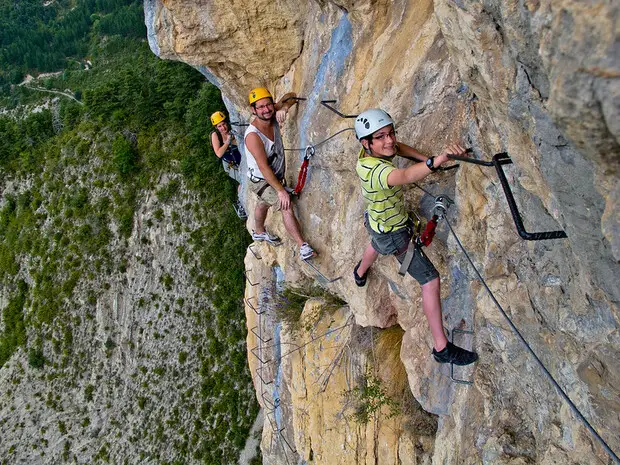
(395, 243)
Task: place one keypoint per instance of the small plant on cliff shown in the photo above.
(369, 399)
(291, 302)
(36, 359)
(88, 392)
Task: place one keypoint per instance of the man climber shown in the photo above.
(388, 223)
(225, 147)
(266, 167)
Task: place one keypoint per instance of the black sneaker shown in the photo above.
(456, 355)
(359, 280)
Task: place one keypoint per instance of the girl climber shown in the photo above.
(225, 147)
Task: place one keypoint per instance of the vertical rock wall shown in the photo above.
(537, 79)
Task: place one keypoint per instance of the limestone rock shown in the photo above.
(306, 380)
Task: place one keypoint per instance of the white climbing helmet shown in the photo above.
(370, 121)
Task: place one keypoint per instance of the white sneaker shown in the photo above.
(306, 252)
(239, 210)
(270, 238)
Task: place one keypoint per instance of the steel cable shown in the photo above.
(533, 354)
(319, 143)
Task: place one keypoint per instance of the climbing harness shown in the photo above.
(415, 225)
(442, 203)
(500, 159)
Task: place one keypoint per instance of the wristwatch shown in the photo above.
(430, 164)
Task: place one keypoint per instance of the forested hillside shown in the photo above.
(113, 204)
(49, 36)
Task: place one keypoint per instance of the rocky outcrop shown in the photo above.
(326, 397)
(536, 79)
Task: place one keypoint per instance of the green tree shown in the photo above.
(125, 157)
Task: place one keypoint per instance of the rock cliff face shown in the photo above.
(537, 79)
(135, 359)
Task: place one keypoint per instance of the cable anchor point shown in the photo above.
(442, 204)
(309, 153)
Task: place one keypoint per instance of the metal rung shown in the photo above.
(294, 98)
(294, 451)
(342, 115)
(253, 330)
(500, 159)
(256, 355)
(321, 275)
(247, 301)
(275, 404)
(258, 257)
(457, 380)
(272, 422)
(260, 368)
(245, 274)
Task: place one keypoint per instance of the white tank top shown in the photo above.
(274, 151)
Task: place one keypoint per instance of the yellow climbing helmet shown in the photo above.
(259, 93)
(217, 118)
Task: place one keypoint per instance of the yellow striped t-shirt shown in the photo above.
(385, 204)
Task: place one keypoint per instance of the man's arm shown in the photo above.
(406, 151)
(257, 149)
(286, 102)
(419, 171)
(283, 106)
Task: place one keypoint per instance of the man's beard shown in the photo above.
(265, 119)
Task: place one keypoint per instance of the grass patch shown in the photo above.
(291, 301)
(370, 398)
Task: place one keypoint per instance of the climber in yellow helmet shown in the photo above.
(266, 167)
(388, 223)
(225, 147)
